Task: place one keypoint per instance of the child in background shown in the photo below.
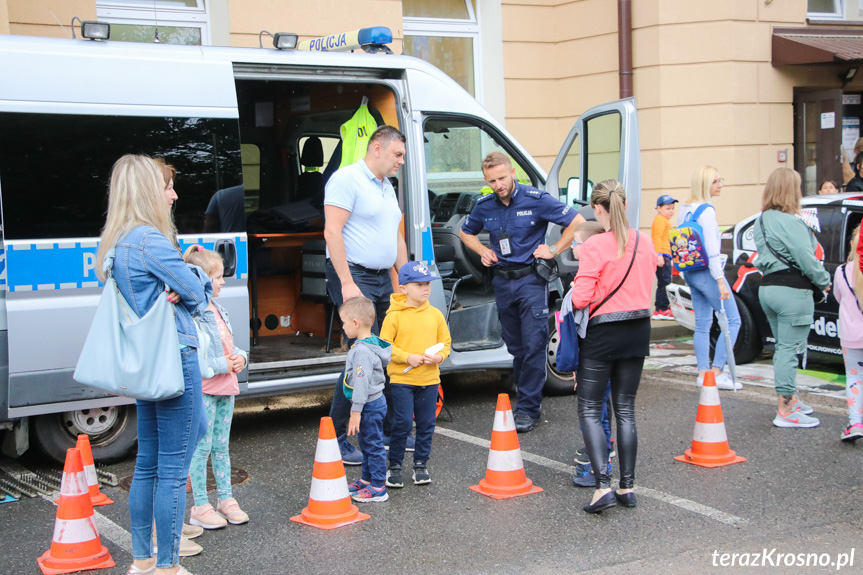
(848, 291)
(226, 361)
(413, 326)
(583, 471)
(659, 232)
(364, 387)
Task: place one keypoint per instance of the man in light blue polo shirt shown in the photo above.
(364, 242)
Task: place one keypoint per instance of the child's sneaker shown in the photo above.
(662, 314)
(584, 475)
(852, 433)
(803, 408)
(230, 510)
(795, 419)
(356, 486)
(394, 476)
(369, 494)
(582, 458)
(421, 473)
(205, 516)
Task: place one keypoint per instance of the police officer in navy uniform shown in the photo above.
(516, 217)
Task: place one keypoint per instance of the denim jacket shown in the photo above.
(215, 353)
(144, 262)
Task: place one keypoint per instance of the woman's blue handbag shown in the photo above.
(567, 344)
(132, 356)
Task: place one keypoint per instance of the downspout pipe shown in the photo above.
(624, 47)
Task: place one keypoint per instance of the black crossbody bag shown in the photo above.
(818, 294)
(592, 314)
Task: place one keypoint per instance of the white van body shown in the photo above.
(225, 117)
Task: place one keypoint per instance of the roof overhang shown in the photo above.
(814, 45)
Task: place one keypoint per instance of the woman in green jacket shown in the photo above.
(787, 259)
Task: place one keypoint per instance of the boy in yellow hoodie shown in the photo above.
(413, 327)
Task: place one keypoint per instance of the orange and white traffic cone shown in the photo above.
(709, 440)
(330, 503)
(76, 545)
(96, 497)
(504, 476)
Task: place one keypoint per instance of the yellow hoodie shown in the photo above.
(413, 330)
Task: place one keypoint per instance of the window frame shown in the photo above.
(139, 14)
(839, 12)
(454, 28)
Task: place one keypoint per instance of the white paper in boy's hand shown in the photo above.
(430, 351)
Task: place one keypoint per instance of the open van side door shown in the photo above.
(603, 144)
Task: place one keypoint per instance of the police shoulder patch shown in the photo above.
(534, 193)
(485, 198)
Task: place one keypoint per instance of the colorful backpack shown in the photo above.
(688, 252)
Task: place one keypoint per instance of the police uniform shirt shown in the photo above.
(371, 232)
(525, 221)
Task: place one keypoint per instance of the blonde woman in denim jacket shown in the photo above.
(140, 230)
(223, 361)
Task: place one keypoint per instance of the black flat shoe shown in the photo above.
(604, 502)
(626, 499)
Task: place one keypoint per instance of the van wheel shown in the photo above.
(556, 382)
(748, 345)
(113, 432)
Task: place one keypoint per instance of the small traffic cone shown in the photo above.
(76, 545)
(504, 476)
(709, 440)
(330, 503)
(96, 497)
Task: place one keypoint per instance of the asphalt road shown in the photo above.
(799, 493)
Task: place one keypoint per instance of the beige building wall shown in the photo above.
(4, 17)
(40, 17)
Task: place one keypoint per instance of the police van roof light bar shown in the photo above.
(91, 29)
(371, 40)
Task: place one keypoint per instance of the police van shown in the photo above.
(254, 132)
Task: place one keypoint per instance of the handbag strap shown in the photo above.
(626, 275)
(776, 254)
(851, 289)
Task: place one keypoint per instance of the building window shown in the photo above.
(165, 21)
(446, 34)
(835, 9)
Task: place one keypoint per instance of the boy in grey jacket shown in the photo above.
(365, 374)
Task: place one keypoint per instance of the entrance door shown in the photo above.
(818, 138)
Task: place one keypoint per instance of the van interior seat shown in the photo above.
(310, 184)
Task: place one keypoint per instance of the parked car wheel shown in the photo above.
(556, 382)
(749, 342)
(113, 432)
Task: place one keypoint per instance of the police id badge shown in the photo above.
(503, 242)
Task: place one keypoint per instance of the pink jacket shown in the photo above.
(850, 318)
(600, 271)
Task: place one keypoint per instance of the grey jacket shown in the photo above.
(365, 370)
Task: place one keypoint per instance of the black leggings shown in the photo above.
(593, 377)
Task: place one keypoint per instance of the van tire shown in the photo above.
(556, 383)
(749, 344)
(113, 432)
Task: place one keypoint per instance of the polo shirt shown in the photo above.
(525, 220)
(371, 232)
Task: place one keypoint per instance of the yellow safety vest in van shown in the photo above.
(355, 136)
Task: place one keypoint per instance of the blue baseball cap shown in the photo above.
(664, 200)
(413, 272)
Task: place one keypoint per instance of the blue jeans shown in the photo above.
(606, 422)
(663, 278)
(378, 288)
(705, 300)
(371, 439)
(168, 432)
(522, 307)
(409, 403)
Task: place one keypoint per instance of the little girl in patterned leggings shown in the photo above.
(226, 360)
(848, 291)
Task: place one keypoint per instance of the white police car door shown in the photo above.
(68, 110)
(602, 144)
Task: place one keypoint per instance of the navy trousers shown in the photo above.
(522, 307)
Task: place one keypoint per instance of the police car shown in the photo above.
(833, 218)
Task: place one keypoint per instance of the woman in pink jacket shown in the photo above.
(615, 277)
(848, 291)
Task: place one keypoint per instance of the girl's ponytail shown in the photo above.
(610, 195)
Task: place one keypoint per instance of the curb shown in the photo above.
(664, 329)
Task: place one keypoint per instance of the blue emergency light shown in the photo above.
(372, 39)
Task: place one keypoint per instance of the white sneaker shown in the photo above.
(723, 381)
(795, 419)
